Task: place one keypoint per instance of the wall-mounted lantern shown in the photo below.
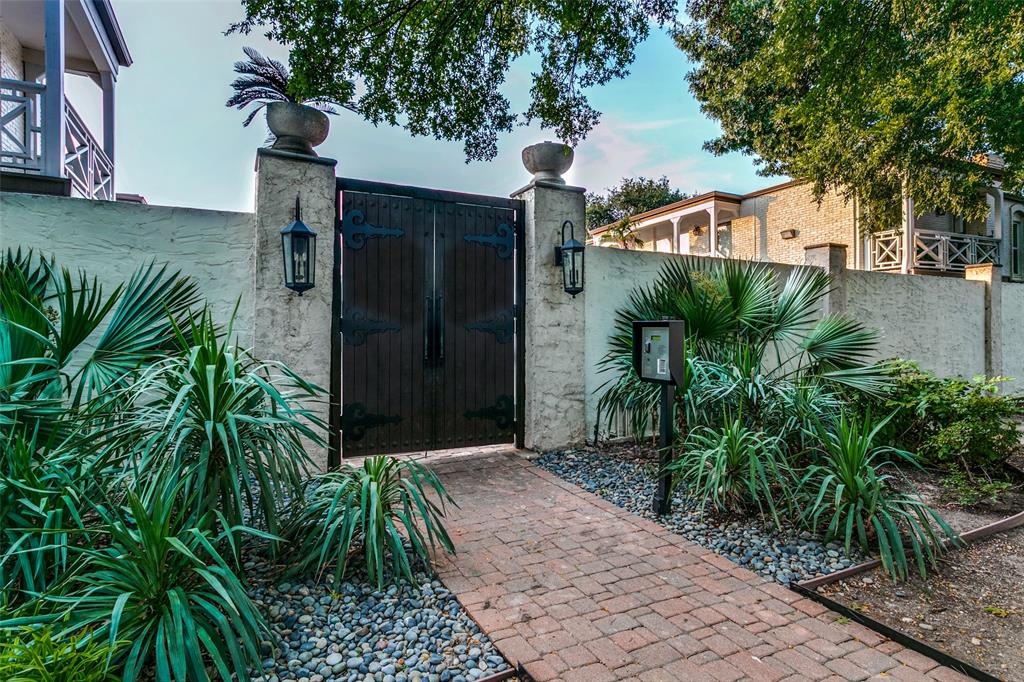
(298, 244)
(570, 256)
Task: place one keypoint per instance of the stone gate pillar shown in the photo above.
(289, 328)
(991, 275)
(555, 395)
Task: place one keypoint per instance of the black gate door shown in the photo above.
(428, 319)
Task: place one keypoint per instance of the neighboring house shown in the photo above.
(776, 223)
(45, 146)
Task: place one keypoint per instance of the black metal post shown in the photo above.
(662, 503)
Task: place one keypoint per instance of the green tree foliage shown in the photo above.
(864, 97)
(630, 197)
(437, 68)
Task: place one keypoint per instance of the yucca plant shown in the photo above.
(850, 491)
(381, 510)
(231, 428)
(752, 334)
(43, 497)
(732, 467)
(161, 586)
(34, 654)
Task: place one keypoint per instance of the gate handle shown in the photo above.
(428, 314)
(439, 322)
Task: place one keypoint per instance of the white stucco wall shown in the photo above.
(112, 239)
(939, 322)
(1013, 335)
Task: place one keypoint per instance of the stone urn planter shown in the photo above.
(548, 160)
(297, 127)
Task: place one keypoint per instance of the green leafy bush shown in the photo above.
(163, 587)
(952, 423)
(230, 427)
(756, 345)
(34, 654)
(374, 510)
(732, 467)
(848, 490)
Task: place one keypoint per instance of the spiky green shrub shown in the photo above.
(34, 654)
(230, 427)
(849, 492)
(162, 586)
(756, 344)
(732, 467)
(382, 511)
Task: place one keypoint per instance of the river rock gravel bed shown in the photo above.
(624, 475)
(403, 633)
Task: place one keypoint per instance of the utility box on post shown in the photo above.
(658, 350)
(659, 357)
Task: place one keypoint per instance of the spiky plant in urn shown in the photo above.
(298, 122)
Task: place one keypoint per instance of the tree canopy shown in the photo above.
(866, 96)
(630, 197)
(436, 67)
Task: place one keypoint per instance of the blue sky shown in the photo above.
(177, 144)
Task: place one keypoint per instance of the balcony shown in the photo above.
(23, 139)
(934, 251)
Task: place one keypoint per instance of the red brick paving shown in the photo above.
(575, 588)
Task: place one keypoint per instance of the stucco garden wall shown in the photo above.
(112, 239)
(1013, 335)
(939, 322)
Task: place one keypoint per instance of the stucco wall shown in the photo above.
(112, 239)
(1013, 334)
(937, 321)
(756, 233)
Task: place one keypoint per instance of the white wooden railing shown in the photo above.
(85, 163)
(23, 140)
(21, 125)
(933, 250)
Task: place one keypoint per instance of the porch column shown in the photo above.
(53, 96)
(908, 220)
(675, 234)
(107, 84)
(555, 395)
(289, 328)
(713, 228)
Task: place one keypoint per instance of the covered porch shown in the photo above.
(45, 143)
(683, 227)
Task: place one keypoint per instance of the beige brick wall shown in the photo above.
(756, 233)
(11, 66)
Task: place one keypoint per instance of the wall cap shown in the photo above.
(547, 184)
(824, 245)
(319, 160)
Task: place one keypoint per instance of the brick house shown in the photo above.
(777, 222)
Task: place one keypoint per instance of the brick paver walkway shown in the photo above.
(574, 588)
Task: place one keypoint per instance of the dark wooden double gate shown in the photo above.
(426, 330)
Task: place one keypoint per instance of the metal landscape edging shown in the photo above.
(809, 589)
(971, 536)
(897, 636)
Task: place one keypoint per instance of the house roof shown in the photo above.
(113, 31)
(675, 206)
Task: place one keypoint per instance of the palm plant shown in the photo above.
(160, 585)
(753, 338)
(233, 429)
(732, 466)
(263, 80)
(850, 490)
(375, 509)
